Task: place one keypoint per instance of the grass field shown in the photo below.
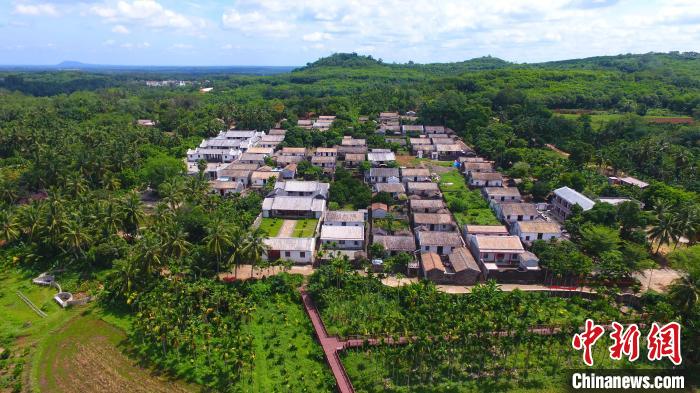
(305, 228)
(287, 358)
(467, 206)
(396, 225)
(598, 120)
(271, 226)
(86, 355)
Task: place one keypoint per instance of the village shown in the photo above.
(409, 220)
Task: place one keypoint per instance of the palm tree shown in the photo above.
(684, 292)
(218, 240)
(176, 243)
(132, 212)
(30, 220)
(9, 229)
(111, 217)
(75, 239)
(665, 230)
(255, 247)
(689, 225)
(149, 254)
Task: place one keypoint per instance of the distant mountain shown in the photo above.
(72, 65)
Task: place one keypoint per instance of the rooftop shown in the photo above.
(432, 218)
(329, 232)
(293, 150)
(379, 205)
(436, 238)
(487, 243)
(301, 186)
(461, 259)
(381, 156)
(431, 261)
(502, 191)
(354, 157)
(294, 203)
(415, 172)
(518, 209)
(384, 172)
(486, 176)
(345, 215)
(291, 243)
(390, 187)
(538, 227)
(396, 243)
(422, 186)
(495, 229)
(574, 197)
(427, 204)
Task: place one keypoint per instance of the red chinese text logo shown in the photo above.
(662, 341)
(586, 339)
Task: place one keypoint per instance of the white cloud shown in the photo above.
(252, 23)
(146, 13)
(317, 36)
(120, 29)
(182, 46)
(138, 45)
(36, 9)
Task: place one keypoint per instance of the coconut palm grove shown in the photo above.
(351, 225)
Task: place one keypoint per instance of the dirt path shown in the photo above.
(287, 228)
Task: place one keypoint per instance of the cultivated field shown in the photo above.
(85, 355)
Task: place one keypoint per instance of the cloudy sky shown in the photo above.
(293, 32)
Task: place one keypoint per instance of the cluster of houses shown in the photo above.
(320, 123)
(418, 222)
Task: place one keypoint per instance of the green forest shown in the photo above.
(88, 193)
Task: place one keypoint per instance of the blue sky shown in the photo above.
(286, 32)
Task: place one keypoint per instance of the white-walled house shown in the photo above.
(502, 194)
(529, 231)
(441, 243)
(485, 179)
(565, 198)
(295, 249)
(512, 212)
(345, 238)
(415, 175)
(501, 250)
(383, 175)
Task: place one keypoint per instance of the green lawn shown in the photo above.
(305, 228)
(286, 356)
(452, 181)
(271, 226)
(468, 206)
(395, 224)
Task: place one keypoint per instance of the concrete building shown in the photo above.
(565, 198)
